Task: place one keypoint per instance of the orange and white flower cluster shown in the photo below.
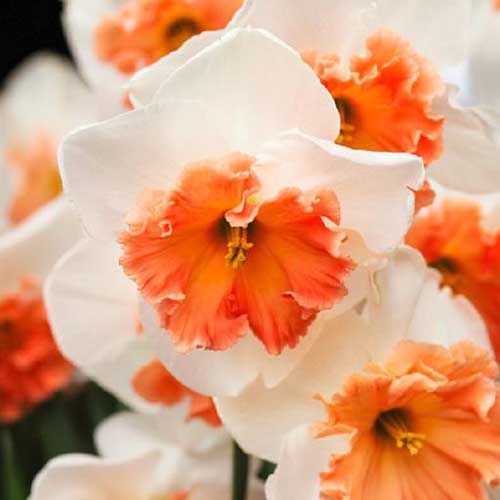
(292, 237)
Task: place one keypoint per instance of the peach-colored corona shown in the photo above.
(145, 30)
(156, 385)
(31, 366)
(385, 99)
(453, 240)
(424, 425)
(215, 261)
(36, 178)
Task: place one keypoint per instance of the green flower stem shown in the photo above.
(11, 483)
(241, 463)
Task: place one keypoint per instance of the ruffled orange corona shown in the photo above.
(216, 261)
(453, 241)
(385, 97)
(36, 177)
(426, 425)
(157, 385)
(31, 366)
(146, 30)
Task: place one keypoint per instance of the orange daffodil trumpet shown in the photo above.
(239, 219)
(111, 39)
(424, 425)
(460, 238)
(144, 457)
(381, 61)
(31, 367)
(216, 261)
(145, 30)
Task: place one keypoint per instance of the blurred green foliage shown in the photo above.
(64, 424)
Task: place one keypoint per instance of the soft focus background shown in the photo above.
(27, 26)
(65, 423)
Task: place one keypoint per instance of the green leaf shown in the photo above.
(58, 434)
(265, 470)
(13, 485)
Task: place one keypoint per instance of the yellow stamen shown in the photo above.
(237, 246)
(394, 425)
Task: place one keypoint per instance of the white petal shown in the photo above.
(104, 167)
(258, 88)
(492, 216)
(442, 318)
(471, 159)
(167, 430)
(395, 294)
(221, 490)
(341, 27)
(412, 305)
(145, 83)
(206, 371)
(80, 19)
(372, 188)
(92, 308)
(44, 93)
(484, 74)
(260, 418)
(324, 25)
(5, 190)
(34, 246)
(192, 452)
(301, 461)
(442, 33)
(83, 477)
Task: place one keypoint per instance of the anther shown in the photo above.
(393, 423)
(237, 246)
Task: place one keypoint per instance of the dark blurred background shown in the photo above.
(27, 26)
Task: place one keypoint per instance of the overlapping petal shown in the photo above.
(406, 303)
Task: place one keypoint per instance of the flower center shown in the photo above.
(449, 271)
(6, 337)
(347, 127)
(181, 30)
(237, 246)
(36, 176)
(393, 424)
